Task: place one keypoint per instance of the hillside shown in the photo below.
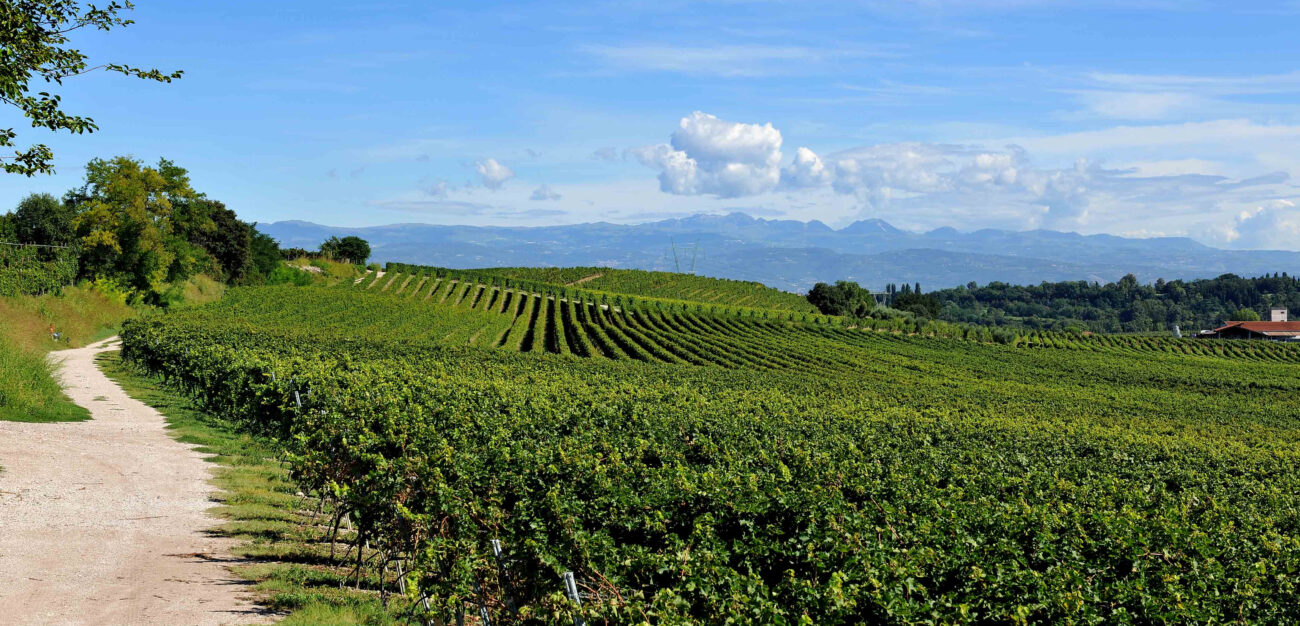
(693, 462)
(663, 285)
(792, 255)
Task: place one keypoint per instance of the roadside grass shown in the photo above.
(285, 543)
(28, 390)
(80, 314)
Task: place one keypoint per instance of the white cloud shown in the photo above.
(885, 168)
(544, 192)
(492, 174)
(1175, 167)
(1184, 174)
(1274, 225)
(708, 155)
(808, 170)
(971, 182)
(1129, 105)
(608, 154)
(1209, 85)
(726, 60)
(1213, 135)
(437, 189)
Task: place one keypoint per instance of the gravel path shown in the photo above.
(104, 521)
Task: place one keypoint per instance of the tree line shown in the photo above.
(848, 298)
(145, 228)
(1122, 306)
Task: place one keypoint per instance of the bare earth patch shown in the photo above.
(104, 521)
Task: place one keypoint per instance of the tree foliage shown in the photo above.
(1123, 306)
(1244, 315)
(143, 227)
(40, 219)
(913, 301)
(127, 214)
(34, 35)
(842, 298)
(32, 270)
(352, 249)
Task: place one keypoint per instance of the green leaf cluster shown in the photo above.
(34, 35)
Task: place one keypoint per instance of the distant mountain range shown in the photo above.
(793, 255)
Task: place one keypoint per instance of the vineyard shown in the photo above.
(31, 270)
(663, 285)
(734, 463)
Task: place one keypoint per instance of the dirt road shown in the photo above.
(104, 521)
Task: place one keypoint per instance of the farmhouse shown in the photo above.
(1276, 329)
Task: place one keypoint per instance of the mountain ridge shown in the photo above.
(793, 255)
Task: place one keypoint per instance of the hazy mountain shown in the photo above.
(793, 255)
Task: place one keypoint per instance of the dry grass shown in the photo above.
(28, 391)
(198, 290)
(81, 314)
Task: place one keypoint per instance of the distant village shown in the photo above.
(1277, 328)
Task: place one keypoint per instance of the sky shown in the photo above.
(1139, 118)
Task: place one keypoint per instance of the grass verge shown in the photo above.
(28, 390)
(285, 543)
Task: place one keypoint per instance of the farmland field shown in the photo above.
(743, 462)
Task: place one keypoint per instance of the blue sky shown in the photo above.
(1140, 118)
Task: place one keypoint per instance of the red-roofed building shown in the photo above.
(1275, 331)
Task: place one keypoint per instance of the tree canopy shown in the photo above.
(1244, 315)
(43, 220)
(145, 228)
(842, 298)
(1125, 305)
(127, 214)
(352, 249)
(34, 37)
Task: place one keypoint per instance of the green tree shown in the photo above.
(842, 298)
(124, 221)
(915, 302)
(355, 249)
(229, 241)
(7, 233)
(41, 219)
(351, 249)
(34, 38)
(1244, 315)
(263, 252)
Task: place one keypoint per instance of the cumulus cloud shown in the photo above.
(885, 168)
(493, 175)
(711, 156)
(808, 170)
(905, 176)
(544, 192)
(1273, 225)
(1041, 183)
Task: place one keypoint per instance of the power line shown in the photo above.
(33, 245)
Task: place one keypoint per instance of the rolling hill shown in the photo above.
(793, 255)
